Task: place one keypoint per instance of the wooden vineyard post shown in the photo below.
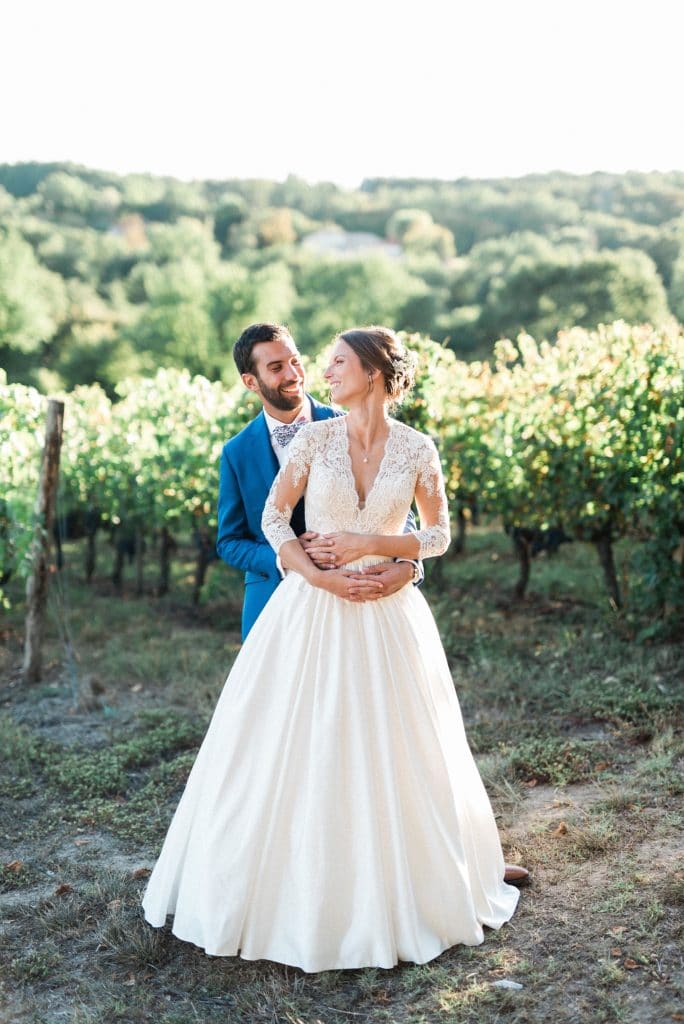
(37, 585)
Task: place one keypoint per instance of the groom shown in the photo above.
(270, 365)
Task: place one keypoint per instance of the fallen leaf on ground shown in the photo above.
(562, 829)
(616, 951)
(630, 964)
(15, 866)
(141, 873)
(63, 889)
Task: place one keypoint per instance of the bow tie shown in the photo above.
(287, 431)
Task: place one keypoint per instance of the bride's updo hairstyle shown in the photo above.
(379, 348)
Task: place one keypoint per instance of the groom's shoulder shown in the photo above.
(246, 435)
(321, 411)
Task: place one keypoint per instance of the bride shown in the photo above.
(334, 817)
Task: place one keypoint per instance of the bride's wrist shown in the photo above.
(316, 577)
(366, 545)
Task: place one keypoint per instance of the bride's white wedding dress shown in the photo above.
(334, 817)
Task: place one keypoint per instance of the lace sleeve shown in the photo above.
(434, 534)
(287, 489)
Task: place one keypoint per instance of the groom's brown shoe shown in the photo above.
(514, 874)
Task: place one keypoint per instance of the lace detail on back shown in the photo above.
(319, 462)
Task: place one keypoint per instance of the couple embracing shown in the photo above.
(334, 816)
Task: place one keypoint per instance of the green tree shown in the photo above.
(65, 193)
(177, 199)
(88, 339)
(240, 296)
(187, 238)
(275, 226)
(416, 232)
(7, 203)
(336, 294)
(32, 304)
(677, 287)
(543, 297)
(175, 327)
(70, 252)
(232, 210)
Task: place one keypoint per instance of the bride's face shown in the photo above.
(345, 374)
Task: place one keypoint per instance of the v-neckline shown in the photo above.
(362, 506)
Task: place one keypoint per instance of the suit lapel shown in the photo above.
(262, 452)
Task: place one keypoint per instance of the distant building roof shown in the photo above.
(349, 243)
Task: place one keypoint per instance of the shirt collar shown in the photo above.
(305, 415)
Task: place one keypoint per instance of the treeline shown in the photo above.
(581, 440)
(104, 277)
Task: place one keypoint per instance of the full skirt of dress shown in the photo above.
(334, 816)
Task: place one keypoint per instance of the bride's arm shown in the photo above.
(433, 537)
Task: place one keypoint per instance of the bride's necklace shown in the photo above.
(366, 450)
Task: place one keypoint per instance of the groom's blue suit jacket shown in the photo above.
(248, 468)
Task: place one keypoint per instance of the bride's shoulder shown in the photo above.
(414, 439)
(315, 433)
(320, 428)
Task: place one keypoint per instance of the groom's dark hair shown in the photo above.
(251, 336)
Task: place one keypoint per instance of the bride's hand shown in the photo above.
(350, 585)
(309, 541)
(336, 549)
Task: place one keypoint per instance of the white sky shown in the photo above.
(345, 90)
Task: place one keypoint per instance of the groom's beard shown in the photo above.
(278, 398)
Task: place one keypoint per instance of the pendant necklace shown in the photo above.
(365, 452)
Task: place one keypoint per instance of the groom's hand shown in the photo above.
(392, 575)
(352, 586)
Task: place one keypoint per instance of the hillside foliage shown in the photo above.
(105, 277)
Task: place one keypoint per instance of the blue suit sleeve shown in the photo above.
(234, 542)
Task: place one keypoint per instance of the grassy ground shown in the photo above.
(576, 733)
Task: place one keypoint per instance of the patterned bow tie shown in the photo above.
(284, 434)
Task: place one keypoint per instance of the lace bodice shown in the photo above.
(319, 466)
